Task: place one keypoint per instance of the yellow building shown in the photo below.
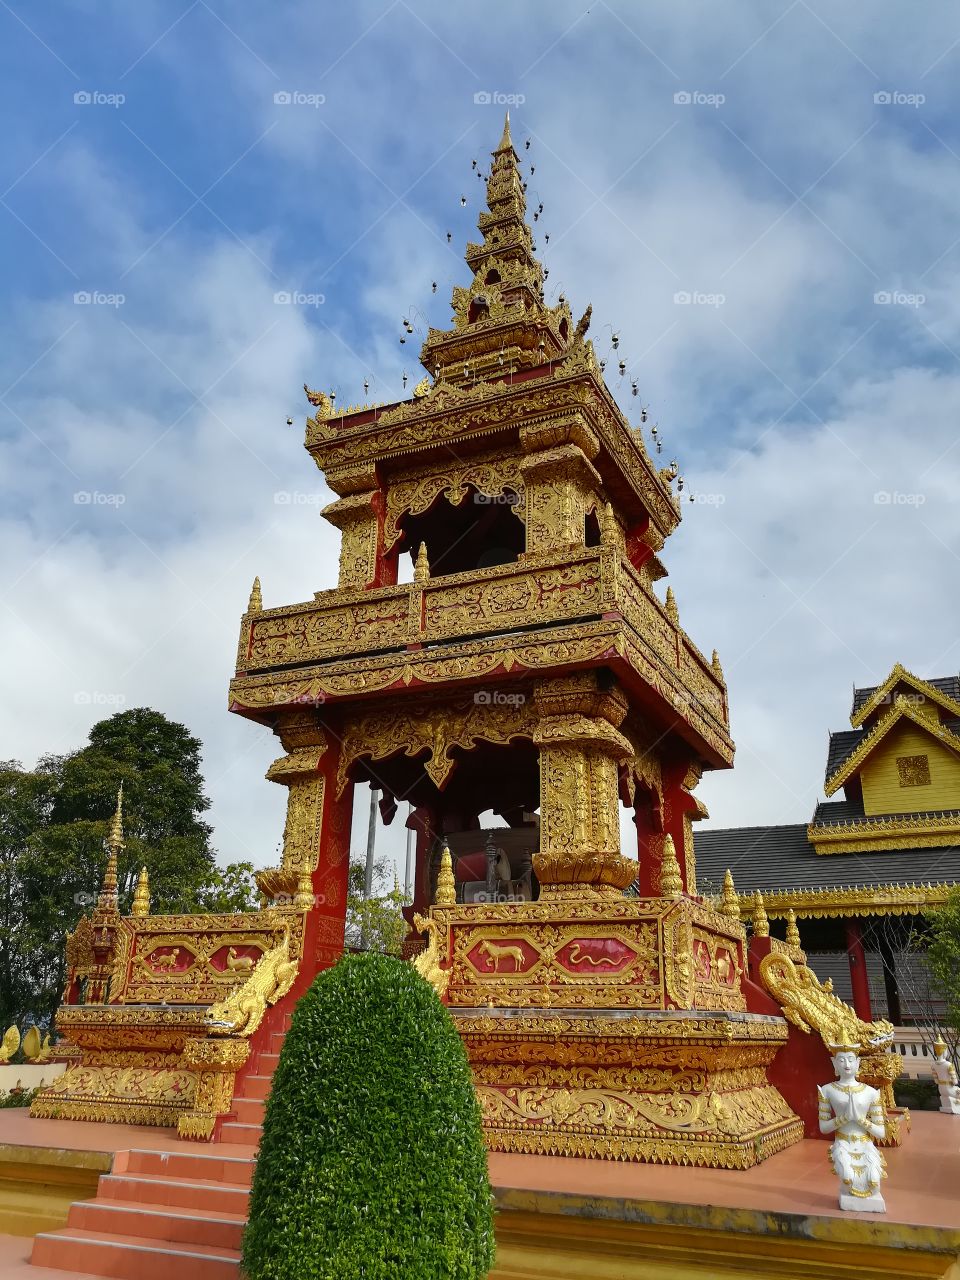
(867, 866)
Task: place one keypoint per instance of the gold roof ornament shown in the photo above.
(671, 881)
(939, 1045)
(446, 884)
(793, 933)
(141, 895)
(608, 526)
(10, 1044)
(114, 844)
(421, 389)
(715, 664)
(729, 902)
(761, 925)
(421, 567)
(673, 613)
(256, 600)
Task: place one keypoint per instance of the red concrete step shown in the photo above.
(176, 1226)
(235, 1168)
(267, 1063)
(249, 1110)
(133, 1257)
(276, 1041)
(203, 1197)
(255, 1087)
(244, 1135)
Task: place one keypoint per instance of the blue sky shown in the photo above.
(791, 170)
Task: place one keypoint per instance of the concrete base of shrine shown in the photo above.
(565, 1217)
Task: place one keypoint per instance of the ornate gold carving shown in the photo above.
(416, 492)
(243, 1009)
(446, 885)
(729, 902)
(428, 963)
(141, 895)
(440, 728)
(900, 675)
(872, 900)
(811, 1006)
(761, 926)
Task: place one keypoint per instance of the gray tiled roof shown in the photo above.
(772, 858)
(950, 685)
(841, 745)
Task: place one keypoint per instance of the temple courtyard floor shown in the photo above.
(559, 1217)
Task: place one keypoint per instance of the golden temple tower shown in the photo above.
(529, 667)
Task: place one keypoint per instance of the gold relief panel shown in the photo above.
(325, 629)
(415, 493)
(440, 727)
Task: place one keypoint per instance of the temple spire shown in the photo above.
(141, 895)
(255, 604)
(108, 899)
(505, 139)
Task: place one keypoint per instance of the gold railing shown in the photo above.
(555, 589)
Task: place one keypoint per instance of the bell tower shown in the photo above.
(528, 668)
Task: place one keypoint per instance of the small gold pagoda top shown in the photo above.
(114, 844)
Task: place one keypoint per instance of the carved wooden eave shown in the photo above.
(900, 675)
(834, 903)
(869, 835)
(901, 710)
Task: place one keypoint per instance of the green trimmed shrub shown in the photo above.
(372, 1164)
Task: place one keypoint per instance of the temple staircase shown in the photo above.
(159, 1214)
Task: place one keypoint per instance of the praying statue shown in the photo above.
(854, 1113)
(945, 1074)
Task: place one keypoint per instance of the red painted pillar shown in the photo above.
(858, 970)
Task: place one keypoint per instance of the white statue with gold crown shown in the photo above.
(945, 1074)
(853, 1112)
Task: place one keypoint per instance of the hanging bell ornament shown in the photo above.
(540, 207)
(473, 164)
(615, 340)
(679, 484)
(433, 287)
(366, 386)
(449, 236)
(402, 339)
(643, 415)
(463, 201)
(526, 144)
(622, 367)
(603, 365)
(634, 390)
(404, 379)
(289, 422)
(546, 238)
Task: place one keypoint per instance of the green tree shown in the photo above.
(375, 923)
(372, 1164)
(53, 821)
(943, 958)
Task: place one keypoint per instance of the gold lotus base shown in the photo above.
(681, 1087)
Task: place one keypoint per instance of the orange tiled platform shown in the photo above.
(169, 1207)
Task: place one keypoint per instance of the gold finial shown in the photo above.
(141, 895)
(506, 141)
(421, 568)
(673, 613)
(421, 389)
(114, 844)
(256, 600)
(608, 526)
(729, 902)
(671, 882)
(715, 663)
(793, 933)
(761, 925)
(446, 884)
